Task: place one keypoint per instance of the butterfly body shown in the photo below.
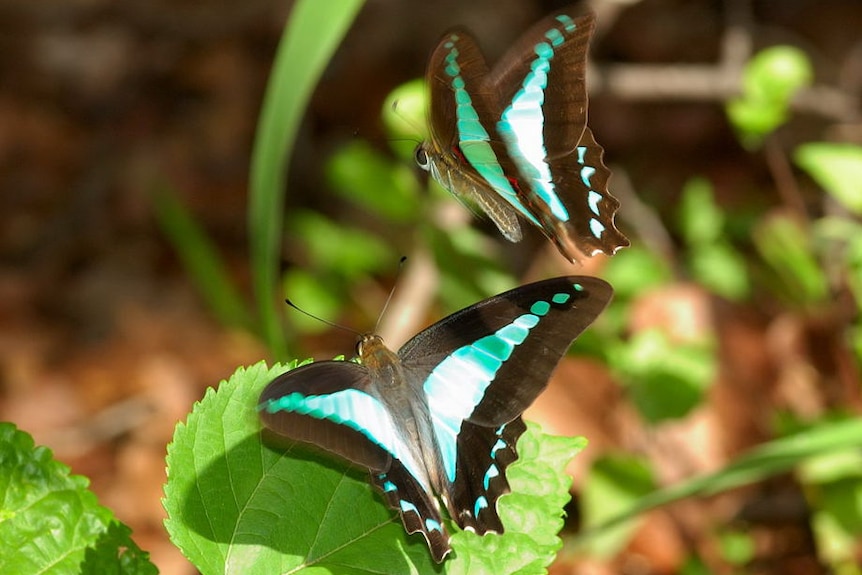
(514, 141)
(441, 417)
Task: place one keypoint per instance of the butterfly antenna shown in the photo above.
(391, 293)
(320, 319)
(416, 141)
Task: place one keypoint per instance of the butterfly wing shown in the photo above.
(337, 406)
(481, 367)
(419, 509)
(546, 71)
(464, 154)
(331, 404)
(540, 85)
(486, 452)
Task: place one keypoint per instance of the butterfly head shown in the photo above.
(443, 168)
(368, 343)
(423, 160)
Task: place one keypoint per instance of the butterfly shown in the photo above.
(441, 417)
(513, 140)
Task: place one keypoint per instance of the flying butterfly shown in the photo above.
(514, 141)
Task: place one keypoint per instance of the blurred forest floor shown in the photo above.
(105, 344)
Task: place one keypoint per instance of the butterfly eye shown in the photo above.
(422, 158)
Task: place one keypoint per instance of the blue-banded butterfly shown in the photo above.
(440, 417)
(514, 141)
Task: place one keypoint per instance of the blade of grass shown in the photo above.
(200, 259)
(312, 34)
(767, 460)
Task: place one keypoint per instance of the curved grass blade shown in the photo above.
(312, 34)
(767, 460)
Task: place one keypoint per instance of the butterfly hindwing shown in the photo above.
(485, 453)
(418, 508)
(593, 230)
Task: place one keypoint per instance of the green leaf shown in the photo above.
(721, 269)
(532, 513)
(404, 117)
(837, 168)
(786, 246)
(362, 175)
(50, 522)
(238, 505)
(614, 483)
(315, 295)
(737, 547)
(701, 221)
(666, 379)
(769, 82)
(713, 261)
(353, 252)
(310, 38)
(116, 554)
(635, 270)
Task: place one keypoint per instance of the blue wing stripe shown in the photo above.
(473, 138)
(593, 198)
(358, 411)
(497, 447)
(481, 503)
(492, 472)
(522, 124)
(457, 385)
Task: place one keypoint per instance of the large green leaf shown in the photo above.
(237, 504)
(50, 523)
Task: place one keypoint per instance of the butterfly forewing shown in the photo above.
(456, 59)
(464, 153)
(480, 368)
(293, 405)
(562, 115)
(547, 315)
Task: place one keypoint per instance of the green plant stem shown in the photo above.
(311, 36)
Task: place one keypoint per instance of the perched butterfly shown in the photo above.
(514, 140)
(442, 416)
